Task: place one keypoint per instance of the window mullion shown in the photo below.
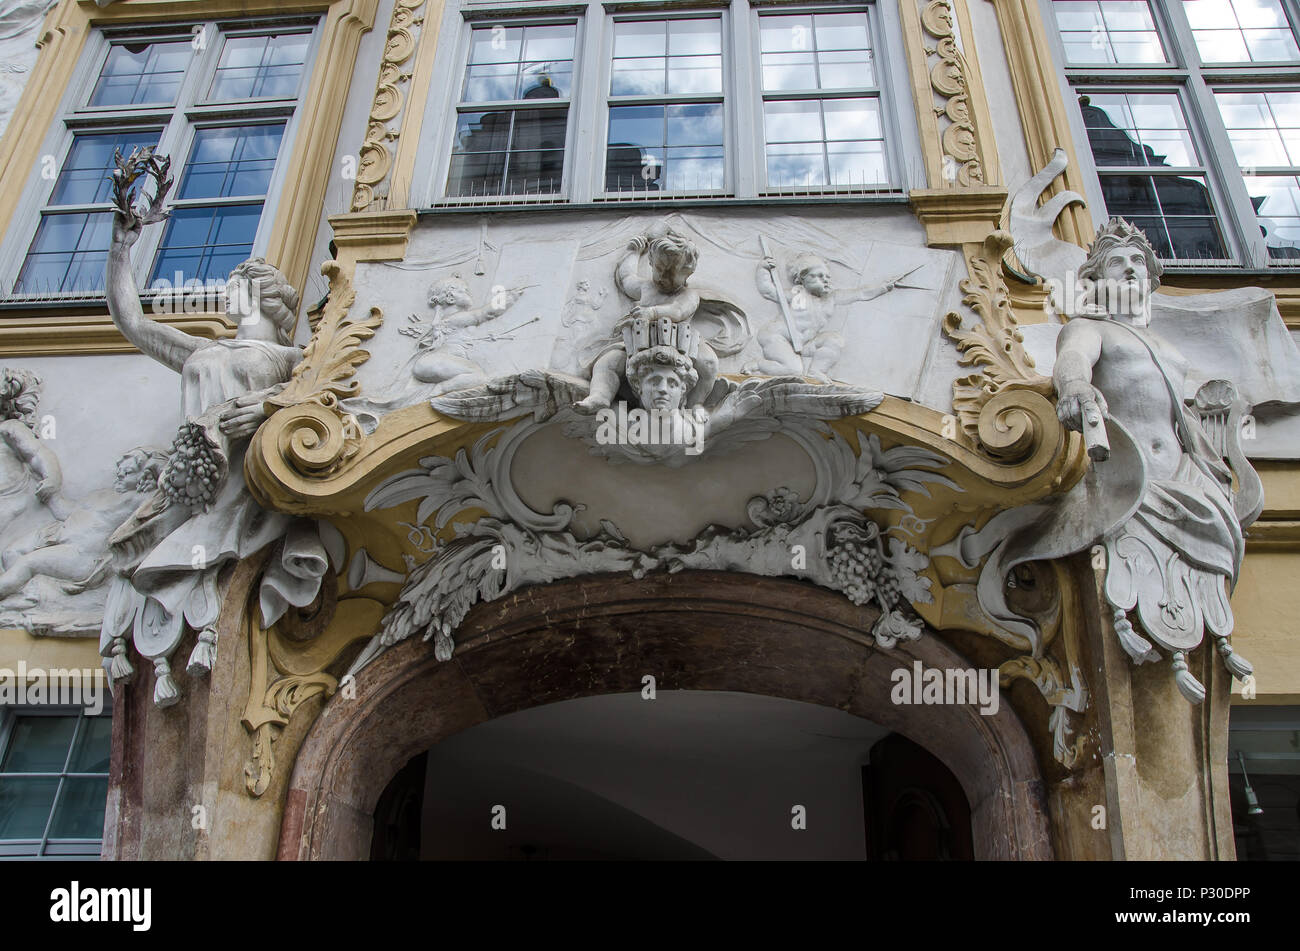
(1221, 162)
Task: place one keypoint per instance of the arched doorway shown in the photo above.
(693, 631)
(676, 774)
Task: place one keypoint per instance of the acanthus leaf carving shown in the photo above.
(995, 347)
(316, 434)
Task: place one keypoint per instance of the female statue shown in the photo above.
(169, 552)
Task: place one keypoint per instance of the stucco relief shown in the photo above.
(828, 538)
(20, 20)
(168, 554)
(557, 298)
(1165, 502)
(53, 576)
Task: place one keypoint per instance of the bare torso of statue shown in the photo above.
(1134, 386)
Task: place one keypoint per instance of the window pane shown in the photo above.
(512, 63)
(695, 124)
(694, 37)
(25, 806)
(1276, 199)
(638, 77)
(796, 121)
(1137, 129)
(491, 82)
(783, 71)
(260, 67)
(509, 152)
(206, 243)
(80, 812)
(675, 56)
(792, 164)
(226, 162)
(91, 751)
(857, 163)
(846, 69)
(694, 75)
(640, 38)
(139, 73)
(693, 169)
(1264, 127)
(1237, 31)
(779, 34)
(38, 744)
(852, 119)
(1175, 212)
(841, 31)
(672, 147)
(84, 178)
(825, 51)
(1108, 31)
(68, 253)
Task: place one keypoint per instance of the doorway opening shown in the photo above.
(687, 775)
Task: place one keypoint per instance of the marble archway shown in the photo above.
(694, 631)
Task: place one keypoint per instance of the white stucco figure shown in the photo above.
(801, 342)
(53, 577)
(1166, 503)
(661, 295)
(20, 23)
(169, 553)
(30, 475)
(443, 360)
(579, 322)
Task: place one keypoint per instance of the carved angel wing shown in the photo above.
(721, 322)
(538, 391)
(1045, 255)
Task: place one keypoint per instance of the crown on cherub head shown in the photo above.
(641, 334)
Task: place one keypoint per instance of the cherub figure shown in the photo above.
(662, 294)
(809, 307)
(22, 455)
(443, 360)
(75, 549)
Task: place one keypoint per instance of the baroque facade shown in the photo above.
(391, 385)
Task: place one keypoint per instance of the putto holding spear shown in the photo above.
(801, 343)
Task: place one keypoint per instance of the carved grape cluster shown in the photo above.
(856, 561)
(193, 473)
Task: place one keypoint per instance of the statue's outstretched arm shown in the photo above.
(167, 345)
(1078, 349)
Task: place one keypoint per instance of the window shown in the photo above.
(614, 102)
(1151, 171)
(821, 105)
(665, 106)
(53, 782)
(218, 99)
(516, 147)
(1192, 112)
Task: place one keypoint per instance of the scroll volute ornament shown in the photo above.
(308, 434)
(1006, 406)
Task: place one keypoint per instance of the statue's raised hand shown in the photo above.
(128, 220)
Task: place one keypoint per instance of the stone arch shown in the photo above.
(696, 630)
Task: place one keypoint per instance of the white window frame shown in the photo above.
(178, 123)
(744, 141)
(1196, 83)
(886, 82)
(45, 848)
